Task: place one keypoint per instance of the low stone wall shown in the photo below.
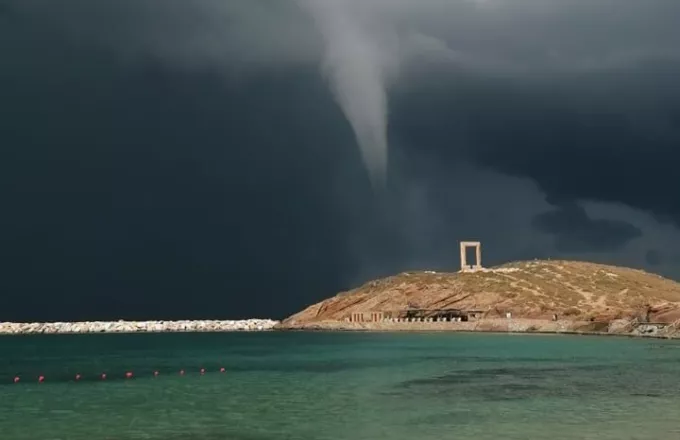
(18, 328)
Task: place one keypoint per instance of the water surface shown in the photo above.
(339, 386)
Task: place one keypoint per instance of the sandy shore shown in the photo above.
(19, 328)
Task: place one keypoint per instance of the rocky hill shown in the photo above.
(572, 290)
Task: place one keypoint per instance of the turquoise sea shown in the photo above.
(339, 386)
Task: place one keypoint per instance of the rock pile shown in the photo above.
(18, 328)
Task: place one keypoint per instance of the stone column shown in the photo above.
(463, 257)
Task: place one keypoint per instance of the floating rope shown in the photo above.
(103, 376)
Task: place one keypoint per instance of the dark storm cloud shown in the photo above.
(654, 257)
(189, 159)
(596, 154)
(5, 11)
(137, 191)
(575, 231)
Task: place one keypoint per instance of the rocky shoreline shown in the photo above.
(247, 325)
(618, 327)
(622, 327)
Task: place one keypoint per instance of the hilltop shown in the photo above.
(531, 290)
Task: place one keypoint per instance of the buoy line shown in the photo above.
(128, 375)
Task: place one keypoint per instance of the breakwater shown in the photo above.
(20, 328)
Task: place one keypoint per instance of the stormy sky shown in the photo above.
(241, 158)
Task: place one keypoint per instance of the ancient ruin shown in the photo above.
(366, 317)
(464, 266)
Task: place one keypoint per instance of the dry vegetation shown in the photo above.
(530, 289)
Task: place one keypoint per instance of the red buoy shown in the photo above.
(41, 379)
(202, 371)
(77, 376)
(222, 370)
(128, 375)
(16, 379)
(103, 376)
(181, 372)
(155, 373)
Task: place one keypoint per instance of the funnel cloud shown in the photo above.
(355, 64)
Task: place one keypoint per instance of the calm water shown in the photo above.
(339, 386)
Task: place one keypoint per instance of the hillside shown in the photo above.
(573, 290)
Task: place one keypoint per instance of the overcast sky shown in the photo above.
(246, 158)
